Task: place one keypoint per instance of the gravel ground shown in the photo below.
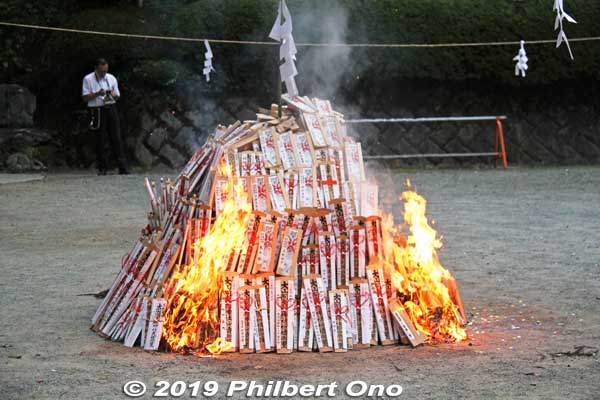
(523, 245)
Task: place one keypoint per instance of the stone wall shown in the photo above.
(164, 134)
(545, 126)
(18, 139)
(17, 106)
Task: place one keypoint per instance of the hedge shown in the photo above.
(252, 67)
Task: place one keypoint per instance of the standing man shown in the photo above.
(101, 92)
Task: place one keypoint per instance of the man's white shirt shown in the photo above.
(93, 83)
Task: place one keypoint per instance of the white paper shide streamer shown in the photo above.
(558, 23)
(282, 32)
(521, 59)
(208, 67)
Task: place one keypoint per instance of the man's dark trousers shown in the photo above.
(110, 127)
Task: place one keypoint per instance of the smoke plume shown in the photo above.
(322, 70)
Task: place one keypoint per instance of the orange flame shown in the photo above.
(191, 317)
(418, 275)
(219, 346)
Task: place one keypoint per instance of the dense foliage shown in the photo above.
(376, 21)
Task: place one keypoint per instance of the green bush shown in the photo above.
(373, 21)
(161, 73)
(404, 21)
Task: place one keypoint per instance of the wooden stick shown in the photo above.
(402, 319)
(340, 316)
(381, 309)
(316, 296)
(285, 319)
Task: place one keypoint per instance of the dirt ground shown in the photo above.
(523, 245)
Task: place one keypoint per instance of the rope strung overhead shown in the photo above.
(307, 44)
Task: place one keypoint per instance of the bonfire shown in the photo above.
(271, 240)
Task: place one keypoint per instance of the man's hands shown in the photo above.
(110, 93)
(99, 93)
(104, 92)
